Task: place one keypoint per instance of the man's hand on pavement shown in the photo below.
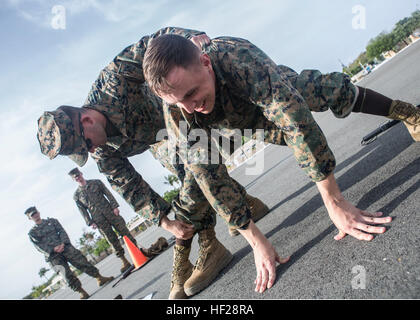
(347, 218)
(265, 257)
(350, 220)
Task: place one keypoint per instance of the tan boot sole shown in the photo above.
(177, 295)
(180, 294)
(223, 262)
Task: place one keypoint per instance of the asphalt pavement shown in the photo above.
(381, 176)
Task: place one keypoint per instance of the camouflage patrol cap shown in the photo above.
(30, 211)
(74, 172)
(57, 135)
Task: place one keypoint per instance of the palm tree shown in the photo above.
(87, 243)
(171, 194)
(42, 272)
(171, 180)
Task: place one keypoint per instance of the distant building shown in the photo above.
(389, 54)
(56, 283)
(137, 225)
(415, 35)
(358, 76)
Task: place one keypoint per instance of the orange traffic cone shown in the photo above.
(139, 259)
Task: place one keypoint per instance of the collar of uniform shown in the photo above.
(117, 116)
(85, 186)
(43, 221)
(114, 113)
(188, 117)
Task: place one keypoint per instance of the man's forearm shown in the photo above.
(329, 190)
(253, 235)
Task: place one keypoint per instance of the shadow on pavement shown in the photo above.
(389, 184)
(146, 285)
(384, 149)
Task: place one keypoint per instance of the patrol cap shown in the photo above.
(74, 172)
(57, 135)
(30, 211)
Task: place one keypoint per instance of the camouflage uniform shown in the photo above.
(96, 205)
(49, 234)
(252, 92)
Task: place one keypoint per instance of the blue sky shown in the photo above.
(43, 68)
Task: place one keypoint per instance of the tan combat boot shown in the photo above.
(258, 210)
(103, 280)
(212, 258)
(125, 264)
(407, 113)
(83, 293)
(181, 271)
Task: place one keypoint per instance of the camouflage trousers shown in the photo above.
(190, 206)
(60, 264)
(321, 92)
(107, 221)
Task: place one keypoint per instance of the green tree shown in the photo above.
(387, 41)
(169, 196)
(382, 43)
(86, 243)
(101, 246)
(171, 180)
(37, 291)
(356, 65)
(402, 30)
(42, 273)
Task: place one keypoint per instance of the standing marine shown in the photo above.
(99, 209)
(50, 238)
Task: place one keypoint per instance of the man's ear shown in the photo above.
(205, 61)
(86, 119)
